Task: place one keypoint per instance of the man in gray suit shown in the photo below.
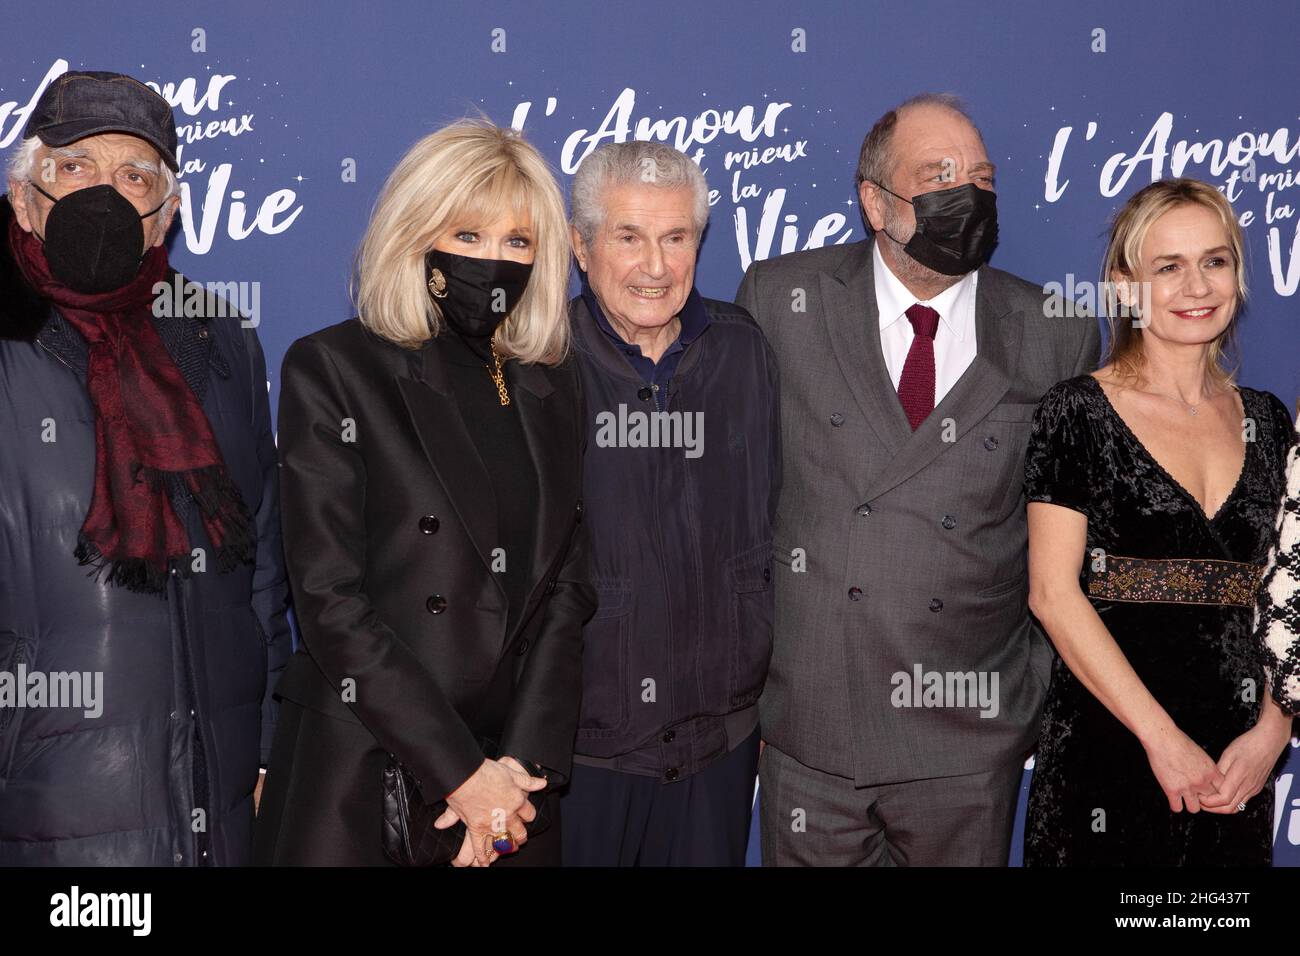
(907, 678)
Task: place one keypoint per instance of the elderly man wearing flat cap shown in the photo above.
(143, 590)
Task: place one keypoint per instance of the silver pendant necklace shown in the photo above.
(1191, 409)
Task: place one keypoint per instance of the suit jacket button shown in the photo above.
(855, 594)
(991, 442)
(429, 524)
(669, 735)
(645, 393)
(949, 522)
(523, 647)
(936, 605)
(671, 775)
(863, 510)
(550, 586)
(837, 419)
(436, 604)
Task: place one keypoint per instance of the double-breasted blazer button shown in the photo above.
(991, 442)
(429, 524)
(436, 604)
(855, 594)
(837, 419)
(949, 522)
(862, 510)
(936, 605)
(523, 647)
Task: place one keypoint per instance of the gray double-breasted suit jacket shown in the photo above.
(902, 555)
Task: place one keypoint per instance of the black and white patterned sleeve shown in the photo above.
(1277, 614)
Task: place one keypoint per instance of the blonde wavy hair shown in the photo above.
(464, 176)
(1121, 265)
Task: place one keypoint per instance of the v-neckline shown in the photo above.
(1200, 508)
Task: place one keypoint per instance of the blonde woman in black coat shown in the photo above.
(431, 474)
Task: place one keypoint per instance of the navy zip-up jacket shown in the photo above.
(680, 487)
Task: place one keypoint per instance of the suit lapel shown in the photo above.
(853, 324)
(450, 450)
(998, 329)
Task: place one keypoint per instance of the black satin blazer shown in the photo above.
(389, 525)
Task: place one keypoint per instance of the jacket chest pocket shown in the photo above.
(998, 444)
(606, 680)
(752, 609)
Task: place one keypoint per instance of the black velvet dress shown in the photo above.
(1182, 615)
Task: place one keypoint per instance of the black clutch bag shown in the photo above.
(409, 835)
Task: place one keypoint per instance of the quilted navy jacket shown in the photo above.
(164, 774)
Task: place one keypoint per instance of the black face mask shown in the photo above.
(475, 295)
(956, 228)
(94, 239)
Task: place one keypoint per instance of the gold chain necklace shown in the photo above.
(495, 371)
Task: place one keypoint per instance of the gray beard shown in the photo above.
(910, 272)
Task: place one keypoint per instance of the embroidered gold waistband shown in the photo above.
(1174, 580)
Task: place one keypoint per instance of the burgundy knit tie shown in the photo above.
(916, 385)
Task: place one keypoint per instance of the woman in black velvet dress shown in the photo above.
(1153, 487)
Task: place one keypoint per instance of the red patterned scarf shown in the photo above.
(150, 433)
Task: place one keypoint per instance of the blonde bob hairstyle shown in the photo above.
(1122, 266)
(465, 176)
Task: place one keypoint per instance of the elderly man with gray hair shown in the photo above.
(139, 510)
(680, 480)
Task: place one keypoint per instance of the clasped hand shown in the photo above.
(494, 798)
(1192, 781)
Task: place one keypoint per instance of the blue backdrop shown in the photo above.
(292, 114)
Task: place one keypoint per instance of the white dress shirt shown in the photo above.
(954, 340)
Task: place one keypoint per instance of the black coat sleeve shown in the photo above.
(270, 584)
(543, 719)
(323, 494)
